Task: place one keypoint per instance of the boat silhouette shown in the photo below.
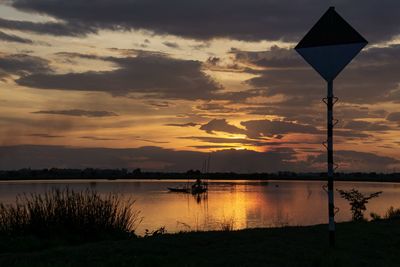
(197, 188)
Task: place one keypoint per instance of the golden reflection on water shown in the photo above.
(239, 204)
(254, 204)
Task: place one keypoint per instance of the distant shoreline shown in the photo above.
(123, 174)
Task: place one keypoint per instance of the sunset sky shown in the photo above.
(159, 85)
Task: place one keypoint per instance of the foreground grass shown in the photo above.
(358, 244)
(65, 217)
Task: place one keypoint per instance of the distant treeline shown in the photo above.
(111, 174)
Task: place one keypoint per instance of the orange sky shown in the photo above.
(136, 87)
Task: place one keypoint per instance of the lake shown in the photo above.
(244, 203)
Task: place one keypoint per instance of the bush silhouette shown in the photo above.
(357, 202)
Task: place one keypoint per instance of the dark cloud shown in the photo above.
(303, 115)
(48, 124)
(14, 38)
(309, 150)
(22, 64)
(268, 128)
(244, 141)
(159, 159)
(302, 89)
(394, 116)
(17, 129)
(372, 77)
(159, 104)
(257, 130)
(221, 140)
(150, 141)
(215, 107)
(146, 158)
(122, 51)
(213, 146)
(69, 55)
(171, 45)
(243, 19)
(240, 96)
(271, 161)
(314, 113)
(303, 83)
(96, 138)
(213, 60)
(44, 135)
(353, 160)
(78, 113)
(149, 73)
(351, 134)
(221, 125)
(72, 28)
(357, 112)
(365, 126)
(275, 58)
(201, 46)
(189, 124)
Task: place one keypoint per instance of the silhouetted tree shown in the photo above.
(137, 171)
(193, 172)
(357, 201)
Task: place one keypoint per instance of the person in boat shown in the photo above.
(198, 182)
(198, 186)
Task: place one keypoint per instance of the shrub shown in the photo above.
(375, 216)
(392, 213)
(358, 202)
(157, 232)
(227, 225)
(84, 215)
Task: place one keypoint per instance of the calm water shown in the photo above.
(244, 203)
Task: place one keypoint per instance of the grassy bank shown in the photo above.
(358, 244)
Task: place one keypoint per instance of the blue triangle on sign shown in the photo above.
(330, 45)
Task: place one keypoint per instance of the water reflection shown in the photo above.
(243, 204)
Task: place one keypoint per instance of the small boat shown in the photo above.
(198, 190)
(199, 187)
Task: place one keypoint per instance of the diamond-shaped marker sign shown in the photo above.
(330, 45)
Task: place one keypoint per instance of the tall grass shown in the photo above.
(85, 215)
(227, 225)
(391, 214)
